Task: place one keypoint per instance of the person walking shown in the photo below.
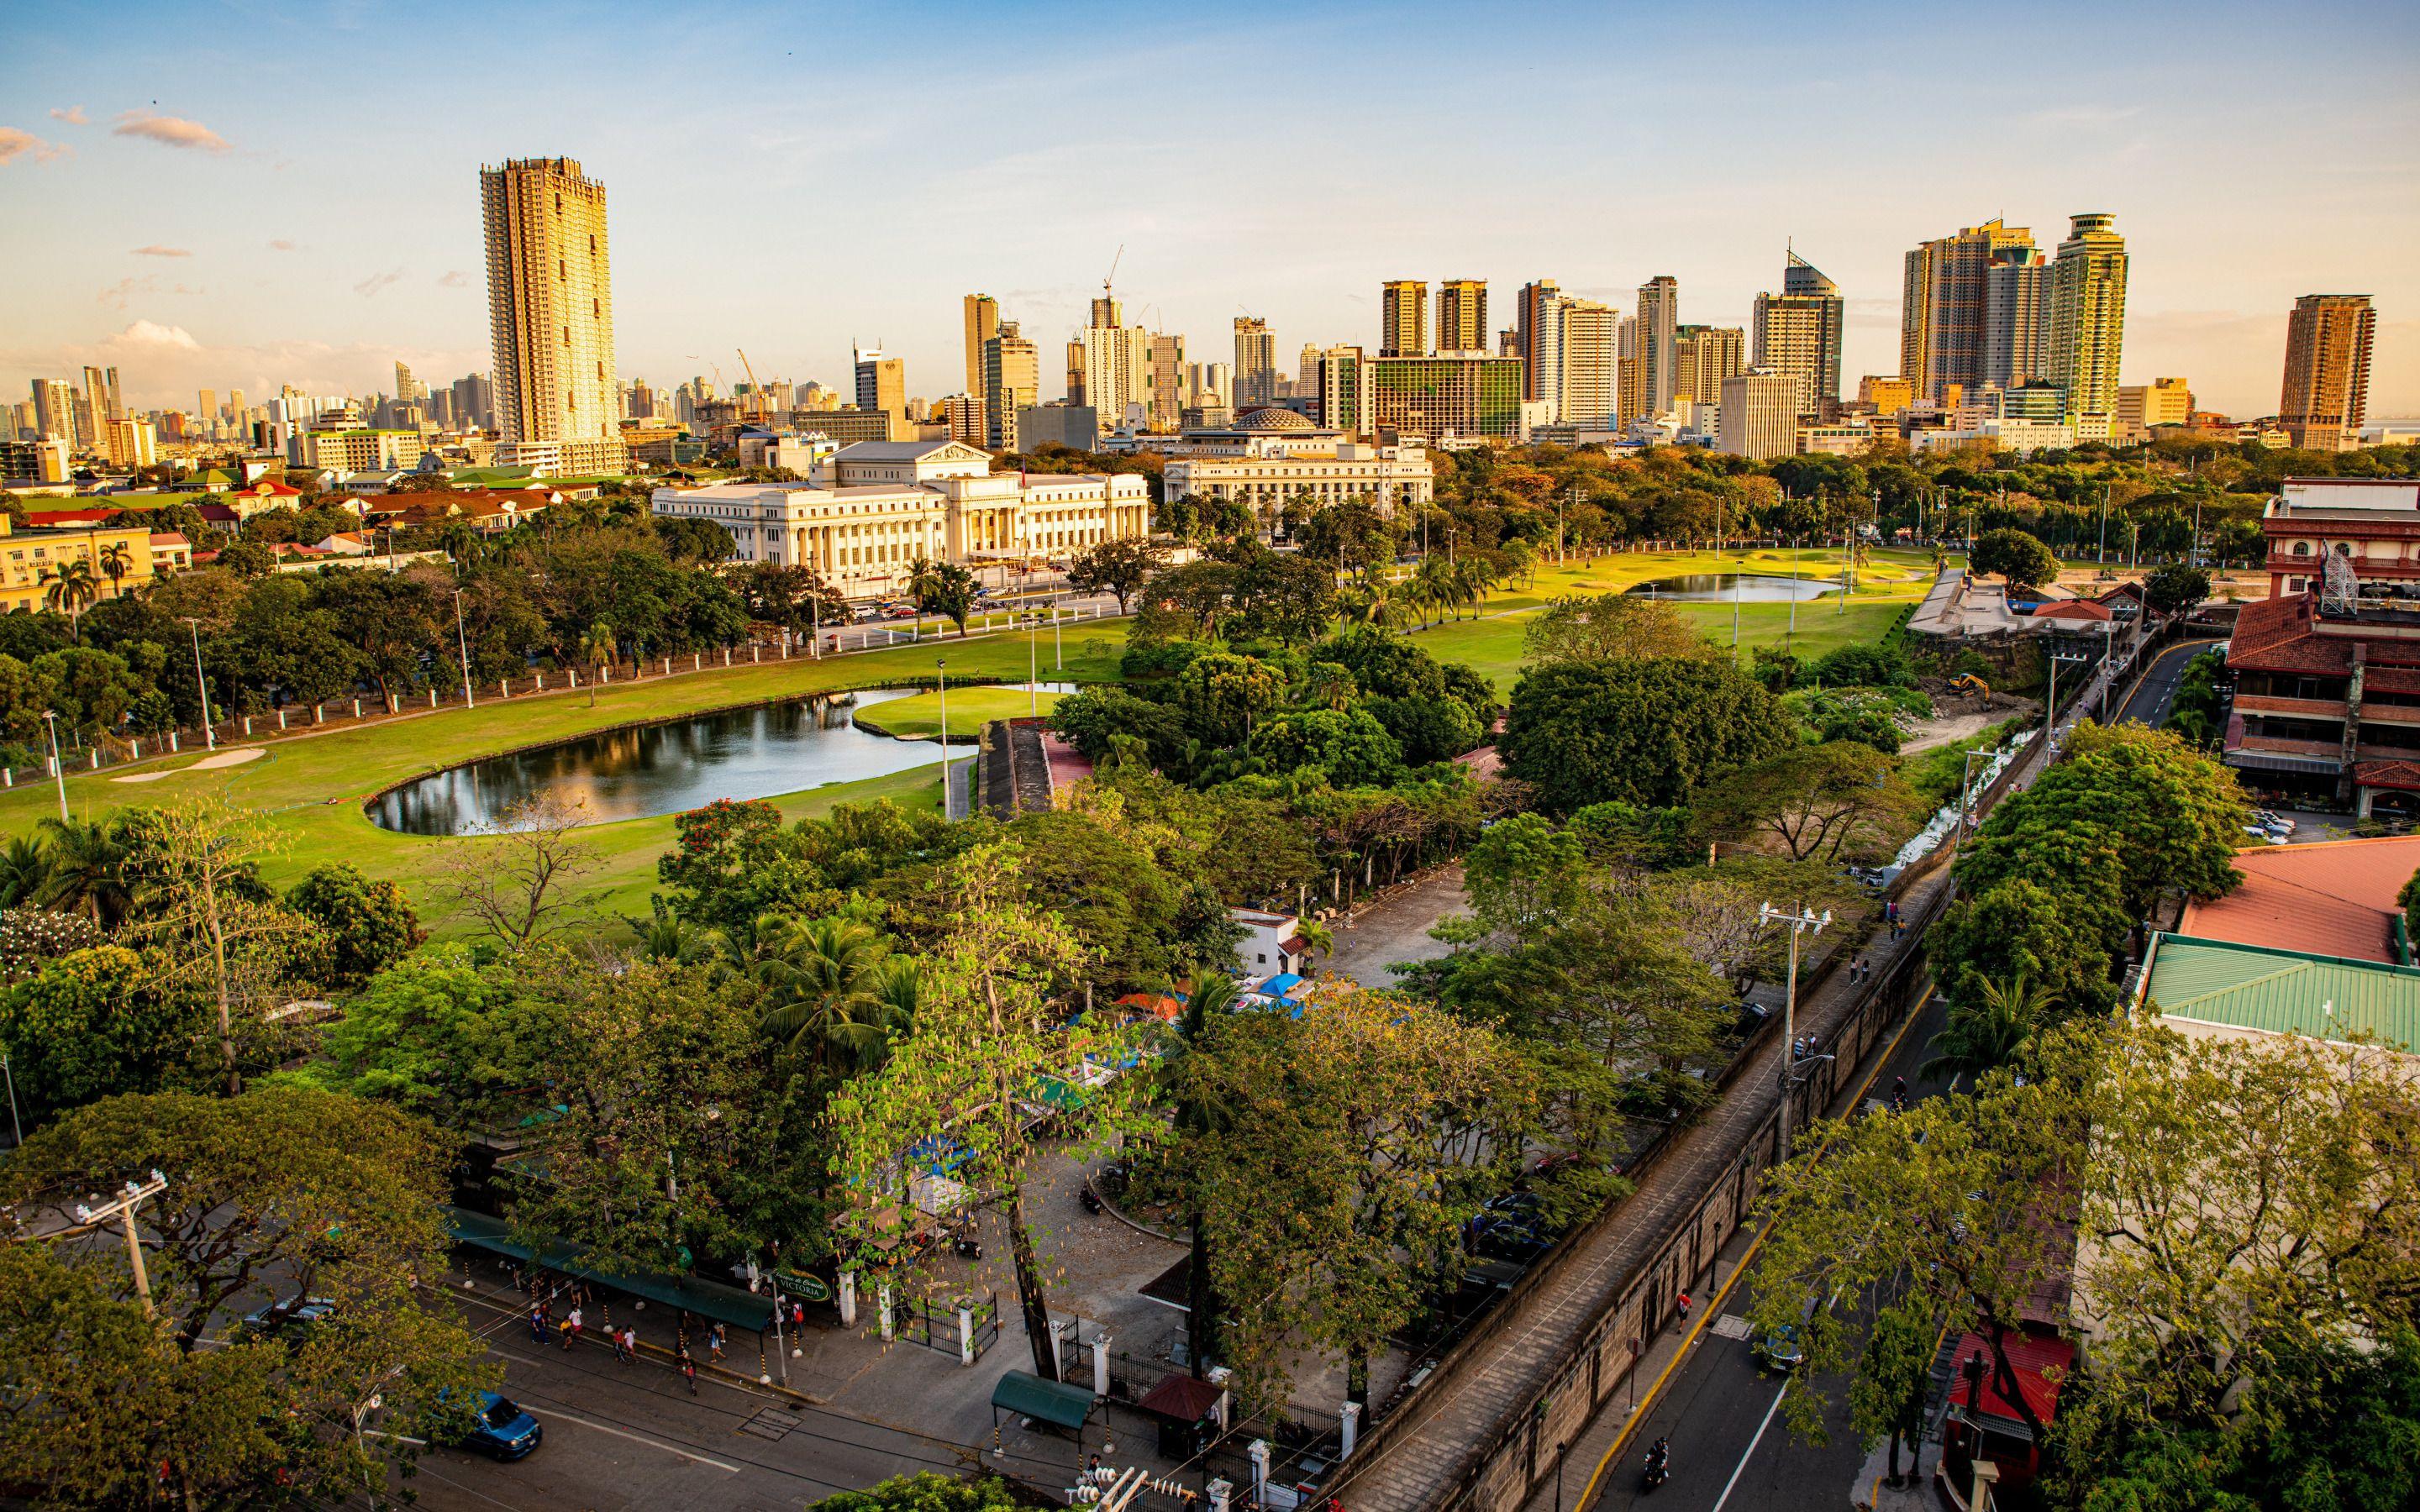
(1684, 1309)
(714, 1337)
(537, 1323)
(571, 1327)
(689, 1369)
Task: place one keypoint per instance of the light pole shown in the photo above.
(16, 1125)
(209, 736)
(1058, 651)
(943, 664)
(124, 1208)
(1965, 779)
(1799, 924)
(1032, 666)
(2049, 717)
(462, 645)
(59, 766)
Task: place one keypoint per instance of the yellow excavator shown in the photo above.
(1966, 685)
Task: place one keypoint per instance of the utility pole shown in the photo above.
(462, 645)
(2049, 717)
(1032, 665)
(123, 1207)
(943, 664)
(209, 736)
(1559, 523)
(1798, 923)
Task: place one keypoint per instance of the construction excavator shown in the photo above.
(1966, 685)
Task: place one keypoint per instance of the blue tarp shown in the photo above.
(1278, 985)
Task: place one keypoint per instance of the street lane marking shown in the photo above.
(1741, 1469)
(634, 1438)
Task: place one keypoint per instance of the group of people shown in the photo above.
(573, 1326)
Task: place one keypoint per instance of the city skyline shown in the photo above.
(189, 260)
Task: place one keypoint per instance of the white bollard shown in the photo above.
(96, 759)
(281, 718)
(1101, 1365)
(726, 656)
(605, 673)
(247, 724)
(965, 1336)
(138, 751)
(432, 698)
(882, 1304)
(1350, 1422)
(848, 1299)
(357, 708)
(1259, 1451)
(318, 713)
(172, 747)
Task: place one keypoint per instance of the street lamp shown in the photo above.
(1799, 924)
(209, 736)
(2050, 716)
(462, 644)
(1032, 665)
(58, 766)
(941, 664)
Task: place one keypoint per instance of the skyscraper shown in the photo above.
(96, 393)
(1167, 381)
(551, 312)
(1012, 380)
(982, 323)
(54, 411)
(1627, 370)
(881, 383)
(407, 390)
(2016, 319)
(1797, 332)
(1943, 302)
(1115, 367)
(1344, 391)
(2326, 393)
(1403, 318)
(1758, 417)
(1533, 333)
(1659, 317)
(1256, 363)
(2087, 313)
(1586, 347)
(207, 410)
(1703, 357)
(1461, 315)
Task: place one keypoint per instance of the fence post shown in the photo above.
(1349, 1424)
(848, 1299)
(172, 747)
(1259, 1451)
(1101, 1365)
(882, 1306)
(965, 1336)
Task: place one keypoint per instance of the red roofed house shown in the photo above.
(2337, 897)
(2327, 670)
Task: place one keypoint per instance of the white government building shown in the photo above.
(871, 509)
(1272, 455)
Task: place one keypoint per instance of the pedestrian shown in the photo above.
(621, 1337)
(689, 1369)
(797, 1314)
(537, 1323)
(714, 1337)
(571, 1327)
(1684, 1308)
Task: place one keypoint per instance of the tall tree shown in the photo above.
(1638, 732)
(1813, 800)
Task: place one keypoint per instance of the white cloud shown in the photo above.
(281, 244)
(456, 279)
(15, 144)
(73, 115)
(151, 334)
(368, 287)
(156, 250)
(118, 295)
(170, 130)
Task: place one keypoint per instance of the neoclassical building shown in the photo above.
(876, 506)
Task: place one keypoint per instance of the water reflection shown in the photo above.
(1754, 588)
(665, 768)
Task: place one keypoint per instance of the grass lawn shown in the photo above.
(918, 716)
(312, 785)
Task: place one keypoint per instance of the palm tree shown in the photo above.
(87, 871)
(1318, 937)
(74, 587)
(1333, 685)
(116, 563)
(667, 938)
(23, 868)
(1988, 1031)
(596, 649)
(821, 981)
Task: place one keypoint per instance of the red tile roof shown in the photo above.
(2031, 1359)
(2075, 608)
(2275, 635)
(2334, 898)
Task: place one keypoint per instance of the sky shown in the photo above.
(249, 192)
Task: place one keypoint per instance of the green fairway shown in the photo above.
(918, 716)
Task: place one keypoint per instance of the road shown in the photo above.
(1718, 1405)
(1396, 928)
(2158, 690)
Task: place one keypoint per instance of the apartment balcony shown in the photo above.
(2383, 712)
(2303, 708)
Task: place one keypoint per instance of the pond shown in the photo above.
(1753, 588)
(665, 768)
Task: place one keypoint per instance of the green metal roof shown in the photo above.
(707, 1299)
(1052, 1401)
(2285, 991)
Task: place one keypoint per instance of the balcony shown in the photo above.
(2306, 708)
(2383, 712)
(2279, 746)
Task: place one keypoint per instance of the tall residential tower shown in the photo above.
(2087, 315)
(2326, 393)
(550, 315)
(1797, 333)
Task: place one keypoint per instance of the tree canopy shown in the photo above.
(1644, 731)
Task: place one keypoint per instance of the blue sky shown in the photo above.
(243, 193)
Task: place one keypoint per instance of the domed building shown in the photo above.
(1272, 417)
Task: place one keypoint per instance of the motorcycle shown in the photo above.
(1091, 1204)
(1659, 1465)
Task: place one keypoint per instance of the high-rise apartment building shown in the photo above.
(1012, 380)
(129, 443)
(1628, 371)
(1256, 363)
(206, 411)
(2326, 393)
(1702, 358)
(551, 312)
(1115, 366)
(2087, 315)
(982, 323)
(1534, 334)
(1943, 302)
(98, 395)
(407, 390)
(1461, 315)
(1659, 320)
(1759, 415)
(1586, 347)
(881, 382)
(1167, 381)
(2141, 407)
(1798, 332)
(1403, 318)
(1209, 385)
(1441, 396)
(2016, 321)
(1342, 385)
(54, 411)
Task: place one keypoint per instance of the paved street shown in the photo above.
(1396, 928)
(2158, 690)
(1730, 1447)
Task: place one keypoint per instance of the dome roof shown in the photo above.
(1272, 417)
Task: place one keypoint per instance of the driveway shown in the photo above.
(1395, 928)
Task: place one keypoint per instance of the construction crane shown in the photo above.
(1114, 269)
(758, 401)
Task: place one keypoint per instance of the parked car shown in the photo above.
(1784, 1348)
(1508, 1236)
(2266, 835)
(899, 612)
(500, 1429)
(298, 1315)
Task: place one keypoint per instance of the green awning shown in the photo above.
(735, 1306)
(1051, 1401)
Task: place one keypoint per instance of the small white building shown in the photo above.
(1271, 944)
